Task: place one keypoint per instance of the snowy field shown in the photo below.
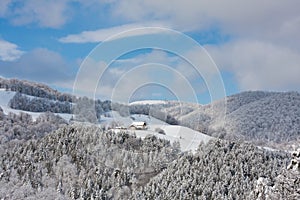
(189, 139)
(149, 102)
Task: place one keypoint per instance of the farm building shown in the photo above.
(138, 126)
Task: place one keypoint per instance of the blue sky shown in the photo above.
(255, 45)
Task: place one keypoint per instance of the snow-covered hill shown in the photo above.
(266, 118)
(188, 139)
(149, 102)
(79, 162)
(6, 96)
(274, 118)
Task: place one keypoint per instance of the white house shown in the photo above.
(138, 126)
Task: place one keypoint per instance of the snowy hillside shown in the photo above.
(265, 118)
(150, 102)
(82, 162)
(274, 118)
(114, 118)
(34, 89)
(6, 96)
(188, 139)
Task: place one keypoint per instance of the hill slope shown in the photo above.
(274, 118)
(266, 118)
(81, 161)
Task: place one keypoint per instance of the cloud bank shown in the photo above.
(9, 51)
(44, 13)
(40, 65)
(112, 33)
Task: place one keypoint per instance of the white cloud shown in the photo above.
(232, 15)
(87, 77)
(151, 74)
(259, 65)
(182, 73)
(122, 78)
(264, 36)
(45, 13)
(117, 32)
(155, 56)
(9, 51)
(39, 65)
(264, 47)
(278, 22)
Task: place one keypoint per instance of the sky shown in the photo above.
(79, 46)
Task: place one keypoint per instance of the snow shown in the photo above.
(189, 139)
(267, 148)
(113, 116)
(6, 96)
(65, 116)
(150, 102)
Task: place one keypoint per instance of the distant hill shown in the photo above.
(38, 98)
(34, 89)
(262, 117)
(274, 118)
